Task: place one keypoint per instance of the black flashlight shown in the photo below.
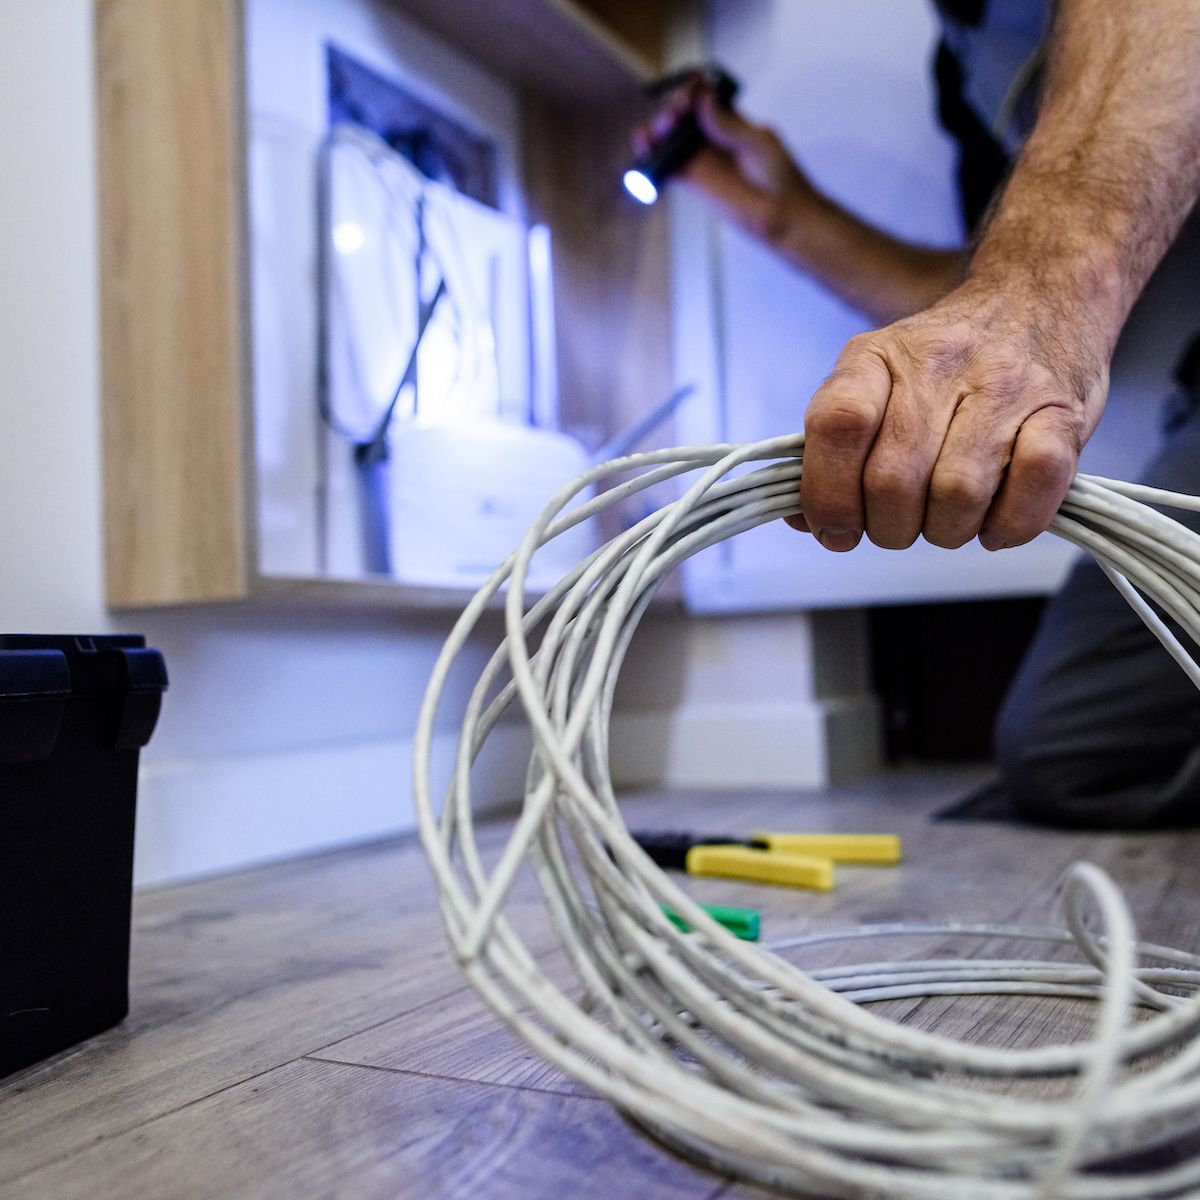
(647, 175)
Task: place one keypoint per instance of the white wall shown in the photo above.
(283, 730)
(755, 700)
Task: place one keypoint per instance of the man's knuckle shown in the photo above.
(860, 343)
(840, 417)
(890, 481)
(1049, 461)
(870, 355)
(958, 487)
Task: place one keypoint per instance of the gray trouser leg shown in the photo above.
(1101, 727)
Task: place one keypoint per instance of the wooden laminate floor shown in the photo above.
(300, 1030)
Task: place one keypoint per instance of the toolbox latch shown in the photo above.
(145, 680)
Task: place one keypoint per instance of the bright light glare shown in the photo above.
(640, 186)
(349, 236)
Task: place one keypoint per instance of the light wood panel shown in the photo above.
(563, 51)
(644, 27)
(172, 189)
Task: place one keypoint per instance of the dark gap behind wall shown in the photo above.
(437, 145)
(941, 672)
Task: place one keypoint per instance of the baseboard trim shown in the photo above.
(202, 817)
(740, 745)
(206, 816)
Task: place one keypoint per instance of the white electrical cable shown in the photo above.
(727, 1050)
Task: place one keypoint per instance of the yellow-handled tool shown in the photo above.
(760, 866)
(879, 848)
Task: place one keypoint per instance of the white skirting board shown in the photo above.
(747, 745)
(200, 818)
(203, 817)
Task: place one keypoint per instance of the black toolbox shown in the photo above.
(74, 712)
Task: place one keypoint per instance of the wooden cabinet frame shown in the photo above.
(180, 490)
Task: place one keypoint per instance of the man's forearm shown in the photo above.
(748, 175)
(968, 418)
(878, 274)
(1098, 194)
(1111, 170)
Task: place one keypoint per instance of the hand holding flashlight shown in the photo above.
(744, 170)
(677, 136)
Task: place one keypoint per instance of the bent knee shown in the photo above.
(1040, 786)
(1048, 792)
(1021, 758)
(1119, 787)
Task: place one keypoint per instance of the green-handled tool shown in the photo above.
(744, 923)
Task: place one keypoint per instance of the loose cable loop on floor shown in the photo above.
(729, 1051)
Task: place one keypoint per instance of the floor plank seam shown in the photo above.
(480, 1083)
(396, 1016)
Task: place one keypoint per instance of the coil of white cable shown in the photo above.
(728, 1050)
